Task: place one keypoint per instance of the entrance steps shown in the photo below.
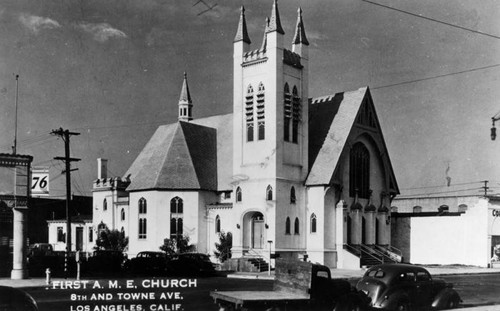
(251, 261)
(371, 255)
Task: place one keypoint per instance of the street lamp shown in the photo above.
(269, 268)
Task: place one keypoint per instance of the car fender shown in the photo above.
(392, 300)
(442, 298)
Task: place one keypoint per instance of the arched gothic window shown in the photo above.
(249, 114)
(238, 194)
(143, 208)
(359, 171)
(287, 226)
(261, 123)
(143, 228)
(296, 115)
(269, 193)
(287, 112)
(105, 205)
(176, 217)
(313, 223)
(293, 197)
(217, 224)
(296, 226)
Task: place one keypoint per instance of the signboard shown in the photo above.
(40, 181)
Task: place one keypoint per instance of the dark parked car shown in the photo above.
(190, 264)
(13, 299)
(104, 262)
(150, 263)
(406, 287)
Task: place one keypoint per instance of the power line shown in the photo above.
(433, 20)
(437, 186)
(439, 192)
(435, 77)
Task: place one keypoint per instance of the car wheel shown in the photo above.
(452, 303)
(403, 306)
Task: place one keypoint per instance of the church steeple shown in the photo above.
(275, 23)
(185, 102)
(300, 33)
(242, 33)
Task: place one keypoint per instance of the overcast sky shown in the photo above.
(112, 71)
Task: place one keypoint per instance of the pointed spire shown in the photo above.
(242, 33)
(275, 23)
(264, 40)
(300, 33)
(185, 102)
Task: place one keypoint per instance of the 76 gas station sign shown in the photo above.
(40, 181)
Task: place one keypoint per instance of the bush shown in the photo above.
(111, 240)
(224, 246)
(177, 245)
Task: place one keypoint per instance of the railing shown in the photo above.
(359, 250)
(253, 253)
(372, 250)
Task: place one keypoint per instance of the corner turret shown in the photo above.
(300, 43)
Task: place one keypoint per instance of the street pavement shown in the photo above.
(336, 273)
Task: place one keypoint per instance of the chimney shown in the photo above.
(102, 168)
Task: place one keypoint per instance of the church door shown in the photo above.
(258, 231)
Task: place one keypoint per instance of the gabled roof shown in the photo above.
(331, 120)
(184, 155)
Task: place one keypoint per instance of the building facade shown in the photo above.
(284, 172)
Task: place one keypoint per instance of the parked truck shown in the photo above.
(297, 285)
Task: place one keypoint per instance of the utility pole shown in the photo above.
(14, 148)
(65, 135)
(485, 187)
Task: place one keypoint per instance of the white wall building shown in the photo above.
(311, 175)
(447, 230)
(83, 234)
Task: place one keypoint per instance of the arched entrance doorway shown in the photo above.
(253, 230)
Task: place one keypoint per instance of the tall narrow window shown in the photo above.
(142, 228)
(61, 237)
(105, 205)
(287, 112)
(238, 194)
(261, 123)
(296, 226)
(91, 234)
(217, 224)
(293, 197)
(249, 113)
(176, 217)
(143, 209)
(296, 115)
(287, 226)
(313, 223)
(269, 193)
(359, 171)
(123, 214)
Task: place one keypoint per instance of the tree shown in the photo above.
(111, 240)
(224, 246)
(176, 245)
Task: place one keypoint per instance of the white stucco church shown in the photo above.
(304, 176)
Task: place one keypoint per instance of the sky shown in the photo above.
(112, 71)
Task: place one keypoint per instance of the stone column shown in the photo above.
(19, 270)
(356, 226)
(383, 228)
(340, 232)
(370, 227)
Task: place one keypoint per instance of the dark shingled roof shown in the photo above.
(330, 121)
(184, 155)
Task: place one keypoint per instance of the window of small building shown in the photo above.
(91, 234)
(296, 226)
(238, 194)
(61, 236)
(269, 193)
(287, 226)
(313, 223)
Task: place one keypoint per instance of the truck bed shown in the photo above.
(251, 297)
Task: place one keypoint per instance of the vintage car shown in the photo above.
(190, 264)
(149, 263)
(104, 262)
(406, 287)
(14, 299)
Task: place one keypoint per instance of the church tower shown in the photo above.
(270, 135)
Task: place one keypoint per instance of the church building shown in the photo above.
(283, 172)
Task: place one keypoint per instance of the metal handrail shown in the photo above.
(362, 251)
(372, 250)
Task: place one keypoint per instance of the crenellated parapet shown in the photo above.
(254, 56)
(115, 183)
